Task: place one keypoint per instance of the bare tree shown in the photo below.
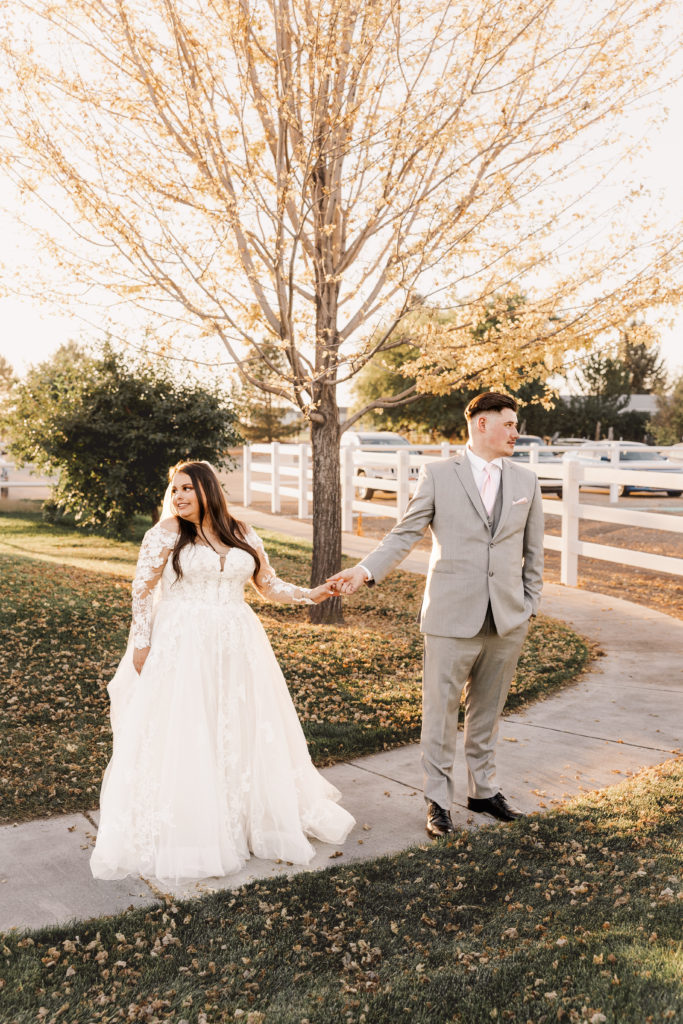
(310, 172)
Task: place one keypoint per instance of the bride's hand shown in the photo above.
(321, 593)
(139, 658)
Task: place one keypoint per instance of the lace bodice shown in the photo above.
(209, 577)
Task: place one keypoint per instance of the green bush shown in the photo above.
(110, 429)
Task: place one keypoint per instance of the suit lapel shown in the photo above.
(506, 485)
(464, 474)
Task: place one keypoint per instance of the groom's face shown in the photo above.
(499, 432)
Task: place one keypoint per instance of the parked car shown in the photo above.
(522, 453)
(526, 440)
(633, 456)
(383, 441)
(675, 452)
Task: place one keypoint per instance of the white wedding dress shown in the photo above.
(210, 761)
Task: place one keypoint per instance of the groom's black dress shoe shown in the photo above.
(496, 805)
(438, 821)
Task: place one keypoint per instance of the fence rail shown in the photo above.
(25, 483)
(9, 480)
(271, 469)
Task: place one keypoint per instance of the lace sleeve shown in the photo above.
(268, 584)
(157, 545)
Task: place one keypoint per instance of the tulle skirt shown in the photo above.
(210, 762)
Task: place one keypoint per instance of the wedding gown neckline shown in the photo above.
(222, 555)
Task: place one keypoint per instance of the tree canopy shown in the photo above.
(110, 429)
(277, 170)
(427, 415)
(667, 423)
(440, 415)
(262, 416)
(606, 381)
(7, 379)
(297, 172)
(643, 359)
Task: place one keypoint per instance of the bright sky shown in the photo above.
(30, 332)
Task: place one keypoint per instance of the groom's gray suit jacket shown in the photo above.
(472, 564)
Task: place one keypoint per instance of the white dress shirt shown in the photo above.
(479, 465)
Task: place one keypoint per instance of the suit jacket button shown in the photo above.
(490, 572)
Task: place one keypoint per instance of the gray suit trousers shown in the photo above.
(484, 665)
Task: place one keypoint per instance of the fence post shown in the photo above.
(246, 474)
(275, 476)
(614, 464)
(402, 482)
(445, 449)
(303, 481)
(346, 468)
(569, 559)
(533, 453)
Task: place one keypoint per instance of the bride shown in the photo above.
(209, 761)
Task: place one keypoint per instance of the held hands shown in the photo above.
(321, 593)
(348, 581)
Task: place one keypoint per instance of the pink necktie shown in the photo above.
(488, 491)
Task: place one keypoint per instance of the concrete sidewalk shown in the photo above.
(623, 715)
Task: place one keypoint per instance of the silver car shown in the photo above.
(632, 456)
(381, 441)
(549, 484)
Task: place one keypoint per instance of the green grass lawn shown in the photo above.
(65, 615)
(570, 917)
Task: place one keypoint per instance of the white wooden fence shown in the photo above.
(287, 471)
(12, 478)
(284, 470)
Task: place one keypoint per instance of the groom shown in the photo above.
(483, 585)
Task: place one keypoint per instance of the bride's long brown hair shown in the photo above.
(213, 511)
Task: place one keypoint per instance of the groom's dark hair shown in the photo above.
(489, 401)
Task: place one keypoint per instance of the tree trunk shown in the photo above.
(326, 505)
(325, 411)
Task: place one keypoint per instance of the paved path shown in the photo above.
(625, 714)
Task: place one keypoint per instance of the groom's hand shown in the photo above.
(348, 581)
(321, 593)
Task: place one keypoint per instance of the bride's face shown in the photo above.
(184, 498)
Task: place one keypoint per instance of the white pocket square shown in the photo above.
(520, 501)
